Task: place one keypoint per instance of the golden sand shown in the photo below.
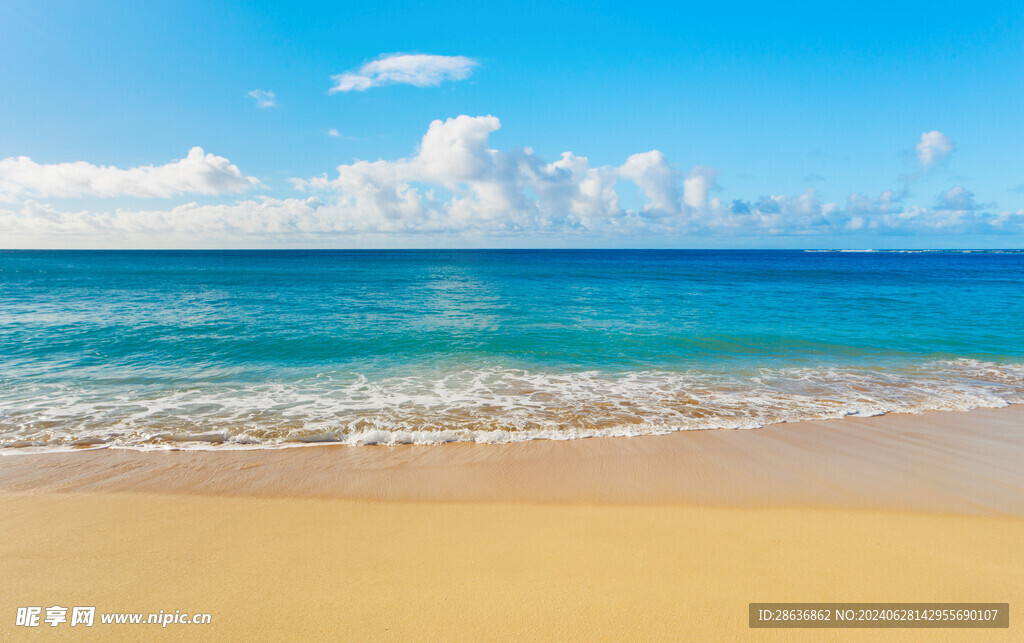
(591, 539)
(277, 569)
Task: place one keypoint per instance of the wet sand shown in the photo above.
(664, 537)
(966, 462)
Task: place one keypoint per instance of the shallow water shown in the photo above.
(194, 349)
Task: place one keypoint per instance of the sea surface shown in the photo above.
(220, 349)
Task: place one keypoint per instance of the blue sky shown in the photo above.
(758, 122)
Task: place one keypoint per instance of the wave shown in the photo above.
(485, 405)
(984, 251)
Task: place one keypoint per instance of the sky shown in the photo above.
(535, 124)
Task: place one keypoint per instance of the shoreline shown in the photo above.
(945, 461)
(214, 445)
(656, 537)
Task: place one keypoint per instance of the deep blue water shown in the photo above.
(268, 347)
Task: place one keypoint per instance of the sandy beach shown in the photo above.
(467, 321)
(660, 537)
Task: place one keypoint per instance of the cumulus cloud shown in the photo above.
(263, 98)
(419, 70)
(957, 198)
(699, 183)
(456, 182)
(934, 148)
(197, 173)
(458, 178)
(457, 187)
(658, 181)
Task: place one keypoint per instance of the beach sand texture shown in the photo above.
(660, 537)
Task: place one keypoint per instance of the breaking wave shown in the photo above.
(485, 405)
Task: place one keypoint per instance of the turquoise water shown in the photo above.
(207, 349)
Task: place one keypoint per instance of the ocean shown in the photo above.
(231, 349)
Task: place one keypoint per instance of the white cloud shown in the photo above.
(197, 173)
(313, 221)
(934, 148)
(457, 178)
(699, 183)
(658, 181)
(882, 215)
(957, 198)
(458, 182)
(333, 133)
(263, 98)
(420, 70)
(456, 189)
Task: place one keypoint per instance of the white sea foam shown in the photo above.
(925, 251)
(485, 405)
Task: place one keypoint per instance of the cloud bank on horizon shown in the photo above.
(457, 186)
